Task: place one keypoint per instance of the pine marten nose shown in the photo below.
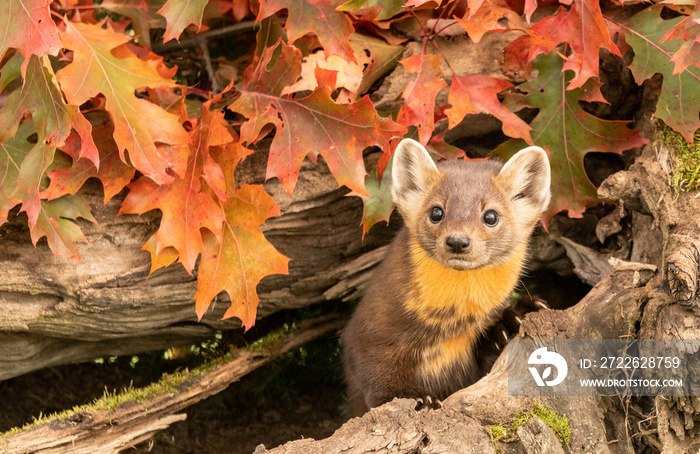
(457, 243)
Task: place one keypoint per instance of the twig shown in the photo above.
(215, 88)
(235, 29)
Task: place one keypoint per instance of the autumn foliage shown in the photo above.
(83, 95)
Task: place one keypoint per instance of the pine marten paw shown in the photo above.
(506, 327)
(512, 317)
(428, 402)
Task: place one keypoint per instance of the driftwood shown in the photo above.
(638, 300)
(116, 429)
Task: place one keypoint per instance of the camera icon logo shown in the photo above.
(542, 356)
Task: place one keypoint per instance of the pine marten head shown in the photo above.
(470, 214)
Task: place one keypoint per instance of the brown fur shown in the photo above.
(413, 333)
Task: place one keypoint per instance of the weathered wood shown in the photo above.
(56, 311)
(462, 422)
(114, 430)
(658, 299)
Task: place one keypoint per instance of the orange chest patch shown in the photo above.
(467, 294)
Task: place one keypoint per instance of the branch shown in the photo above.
(115, 423)
(195, 41)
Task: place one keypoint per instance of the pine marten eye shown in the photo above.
(436, 214)
(490, 218)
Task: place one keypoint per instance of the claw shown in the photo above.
(498, 347)
(541, 304)
(505, 335)
(519, 320)
(428, 402)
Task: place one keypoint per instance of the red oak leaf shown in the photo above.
(55, 222)
(679, 101)
(374, 9)
(159, 258)
(584, 29)
(52, 118)
(304, 16)
(689, 53)
(186, 205)
(242, 257)
(489, 18)
(479, 94)
(113, 173)
(567, 132)
(139, 124)
(418, 107)
(27, 26)
(181, 13)
(22, 166)
(377, 207)
(309, 126)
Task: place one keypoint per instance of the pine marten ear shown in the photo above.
(526, 179)
(413, 172)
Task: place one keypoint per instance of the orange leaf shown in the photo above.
(243, 256)
(419, 95)
(316, 125)
(159, 258)
(27, 26)
(489, 18)
(333, 28)
(479, 94)
(52, 117)
(55, 222)
(139, 124)
(186, 205)
(310, 126)
(689, 53)
(181, 13)
(584, 29)
(113, 173)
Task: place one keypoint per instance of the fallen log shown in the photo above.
(117, 422)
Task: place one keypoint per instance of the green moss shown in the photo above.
(272, 339)
(110, 400)
(497, 432)
(167, 383)
(559, 424)
(686, 173)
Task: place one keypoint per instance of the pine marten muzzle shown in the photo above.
(446, 275)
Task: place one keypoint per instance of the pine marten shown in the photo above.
(447, 274)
